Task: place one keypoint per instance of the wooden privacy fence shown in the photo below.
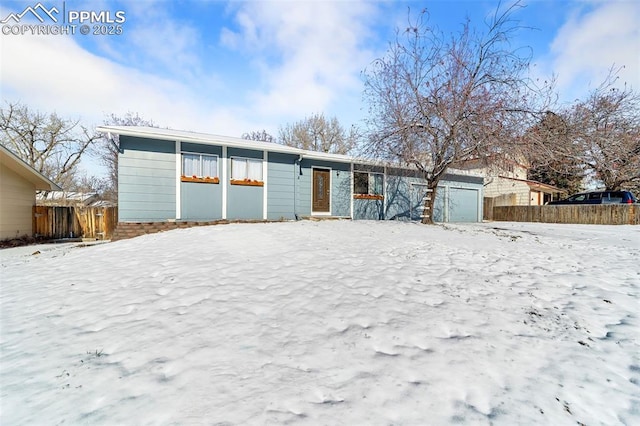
(601, 214)
(502, 200)
(74, 222)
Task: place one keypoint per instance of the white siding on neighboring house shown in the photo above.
(18, 198)
(518, 191)
(18, 185)
(506, 182)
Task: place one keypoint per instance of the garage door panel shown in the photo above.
(463, 205)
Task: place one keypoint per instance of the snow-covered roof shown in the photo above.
(66, 198)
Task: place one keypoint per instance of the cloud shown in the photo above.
(55, 72)
(161, 42)
(309, 53)
(591, 42)
(291, 60)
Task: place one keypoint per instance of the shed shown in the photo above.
(171, 175)
(18, 185)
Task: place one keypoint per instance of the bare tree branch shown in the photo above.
(50, 144)
(316, 133)
(437, 100)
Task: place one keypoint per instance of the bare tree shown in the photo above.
(259, 135)
(595, 138)
(552, 153)
(49, 143)
(90, 183)
(606, 126)
(436, 100)
(109, 149)
(316, 133)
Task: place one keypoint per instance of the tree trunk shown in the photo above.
(428, 202)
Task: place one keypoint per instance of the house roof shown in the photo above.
(67, 197)
(16, 164)
(209, 139)
(543, 187)
(486, 161)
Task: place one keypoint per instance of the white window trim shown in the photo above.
(384, 190)
(178, 182)
(265, 169)
(235, 157)
(384, 177)
(201, 154)
(330, 170)
(225, 172)
(352, 191)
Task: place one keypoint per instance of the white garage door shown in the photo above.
(463, 205)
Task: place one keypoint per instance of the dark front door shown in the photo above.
(321, 191)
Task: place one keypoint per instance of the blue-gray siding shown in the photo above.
(341, 190)
(455, 200)
(146, 180)
(201, 201)
(303, 186)
(244, 202)
(202, 149)
(368, 209)
(281, 189)
(404, 197)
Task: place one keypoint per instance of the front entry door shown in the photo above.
(321, 191)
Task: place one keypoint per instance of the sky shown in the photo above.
(230, 67)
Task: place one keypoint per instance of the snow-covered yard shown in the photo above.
(333, 322)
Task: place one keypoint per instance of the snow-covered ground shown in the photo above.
(333, 322)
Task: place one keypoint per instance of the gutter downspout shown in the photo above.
(296, 176)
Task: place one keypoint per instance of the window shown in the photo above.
(368, 185)
(199, 168)
(595, 195)
(613, 197)
(246, 171)
(578, 197)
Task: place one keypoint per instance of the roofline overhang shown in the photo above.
(210, 139)
(41, 182)
(537, 185)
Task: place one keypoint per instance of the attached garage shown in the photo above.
(399, 195)
(459, 199)
(463, 205)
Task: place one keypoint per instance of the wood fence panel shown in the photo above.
(487, 208)
(608, 214)
(51, 222)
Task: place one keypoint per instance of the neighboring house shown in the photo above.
(18, 185)
(169, 175)
(505, 181)
(71, 198)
